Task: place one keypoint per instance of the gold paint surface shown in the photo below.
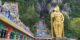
(57, 22)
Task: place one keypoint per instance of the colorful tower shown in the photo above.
(9, 31)
(2, 31)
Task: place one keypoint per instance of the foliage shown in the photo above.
(28, 15)
(72, 29)
(75, 7)
(75, 27)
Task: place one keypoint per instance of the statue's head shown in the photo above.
(54, 8)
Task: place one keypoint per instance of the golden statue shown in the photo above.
(57, 22)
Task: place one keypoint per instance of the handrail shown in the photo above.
(6, 20)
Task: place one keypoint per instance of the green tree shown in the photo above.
(75, 27)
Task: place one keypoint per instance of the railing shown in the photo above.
(6, 20)
(5, 39)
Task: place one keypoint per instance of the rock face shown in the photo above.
(66, 7)
(66, 10)
(42, 7)
(57, 1)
